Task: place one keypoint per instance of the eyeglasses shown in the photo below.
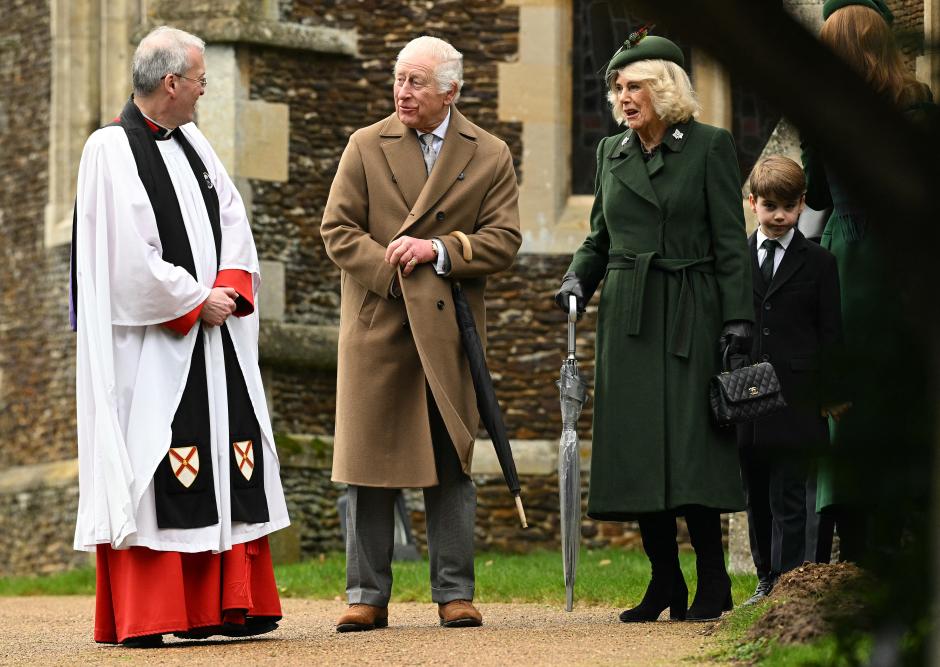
(202, 82)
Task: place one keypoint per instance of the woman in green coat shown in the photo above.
(866, 468)
(668, 241)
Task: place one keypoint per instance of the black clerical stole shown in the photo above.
(184, 487)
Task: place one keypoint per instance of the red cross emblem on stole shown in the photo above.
(184, 462)
(245, 457)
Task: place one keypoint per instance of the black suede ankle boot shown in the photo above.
(661, 592)
(667, 586)
(713, 592)
(712, 597)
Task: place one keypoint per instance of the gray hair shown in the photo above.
(163, 51)
(449, 68)
(671, 91)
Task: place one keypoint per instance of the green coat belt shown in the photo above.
(680, 336)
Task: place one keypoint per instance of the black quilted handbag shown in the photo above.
(744, 394)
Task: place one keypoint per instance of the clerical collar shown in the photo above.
(160, 133)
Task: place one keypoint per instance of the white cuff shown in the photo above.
(442, 264)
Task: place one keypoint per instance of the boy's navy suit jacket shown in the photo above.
(797, 323)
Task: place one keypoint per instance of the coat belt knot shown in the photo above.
(683, 320)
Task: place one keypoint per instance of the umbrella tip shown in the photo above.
(521, 511)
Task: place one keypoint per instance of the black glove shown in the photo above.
(570, 286)
(736, 339)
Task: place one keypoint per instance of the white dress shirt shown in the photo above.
(443, 260)
(438, 132)
(784, 242)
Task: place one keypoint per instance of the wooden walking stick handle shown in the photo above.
(521, 511)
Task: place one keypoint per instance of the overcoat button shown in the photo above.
(766, 306)
(460, 177)
(766, 331)
(440, 305)
(440, 215)
(404, 324)
(765, 357)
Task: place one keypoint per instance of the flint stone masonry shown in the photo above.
(248, 22)
(331, 96)
(326, 65)
(38, 504)
(37, 420)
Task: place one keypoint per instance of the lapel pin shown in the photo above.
(677, 134)
(626, 139)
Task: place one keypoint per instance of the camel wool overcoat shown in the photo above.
(667, 240)
(391, 348)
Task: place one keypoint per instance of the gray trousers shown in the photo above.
(450, 508)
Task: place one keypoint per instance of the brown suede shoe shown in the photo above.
(359, 617)
(459, 614)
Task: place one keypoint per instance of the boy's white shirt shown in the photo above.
(784, 242)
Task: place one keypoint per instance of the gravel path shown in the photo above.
(57, 630)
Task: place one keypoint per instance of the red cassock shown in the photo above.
(143, 592)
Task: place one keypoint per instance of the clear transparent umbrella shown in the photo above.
(573, 393)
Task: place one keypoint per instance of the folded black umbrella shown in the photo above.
(490, 414)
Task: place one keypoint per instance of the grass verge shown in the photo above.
(736, 647)
(609, 577)
(73, 582)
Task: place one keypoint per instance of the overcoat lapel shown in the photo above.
(457, 151)
(760, 288)
(791, 263)
(404, 158)
(629, 168)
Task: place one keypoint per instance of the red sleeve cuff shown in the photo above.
(241, 282)
(184, 323)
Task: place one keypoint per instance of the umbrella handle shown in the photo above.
(572, 318)
(521, 511)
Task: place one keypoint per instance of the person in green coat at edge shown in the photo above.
(668, 240)
(868, 458)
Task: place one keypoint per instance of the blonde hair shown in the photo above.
(777, 177)
(861, 37)
(671, 91)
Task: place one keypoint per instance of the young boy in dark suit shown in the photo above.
(797, 316)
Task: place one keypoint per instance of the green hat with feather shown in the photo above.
(642, 46)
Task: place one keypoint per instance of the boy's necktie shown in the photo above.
(767, 266)
(427, 141)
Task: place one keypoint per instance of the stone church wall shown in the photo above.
(328, 96)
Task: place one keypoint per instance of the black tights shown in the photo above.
(658, 530)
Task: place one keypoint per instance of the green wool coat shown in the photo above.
(667, 239)
(870, 452)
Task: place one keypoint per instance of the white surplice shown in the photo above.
(131, 371)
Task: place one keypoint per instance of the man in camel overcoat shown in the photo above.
(420, 199)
